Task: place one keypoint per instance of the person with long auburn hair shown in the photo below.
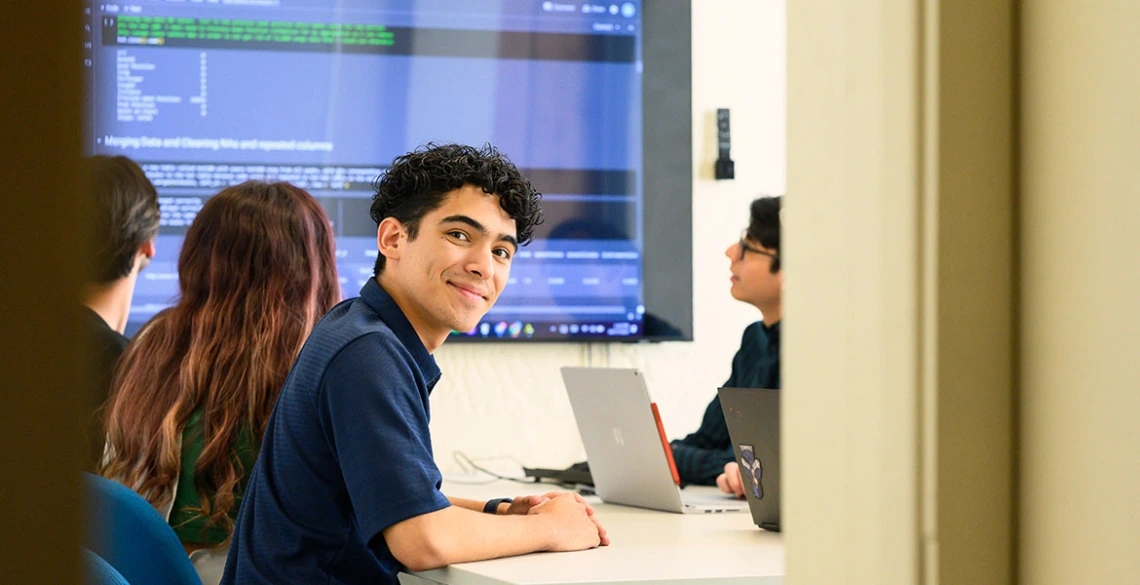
(192, 395)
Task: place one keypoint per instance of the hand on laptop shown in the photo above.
(573, 523)
(730, 481)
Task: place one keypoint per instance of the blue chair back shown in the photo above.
(126, 531)
(96, 571)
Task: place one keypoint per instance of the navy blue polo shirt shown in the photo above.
(346, 454)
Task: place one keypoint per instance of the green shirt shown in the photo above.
(188, 523)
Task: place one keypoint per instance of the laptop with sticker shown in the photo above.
(753, 418)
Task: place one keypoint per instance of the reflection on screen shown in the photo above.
(210, 93)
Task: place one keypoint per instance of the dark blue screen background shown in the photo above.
(199, 117)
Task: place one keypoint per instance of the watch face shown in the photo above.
(750, 468)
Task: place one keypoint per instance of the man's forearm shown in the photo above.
(475, 505)
(447, 536)
(700, 466)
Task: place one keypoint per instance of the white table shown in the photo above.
(647, 547)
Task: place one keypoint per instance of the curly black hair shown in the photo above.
(764, 226)
(416, 184)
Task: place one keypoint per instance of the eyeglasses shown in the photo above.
(744, 247)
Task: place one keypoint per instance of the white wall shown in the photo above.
(508, 400)
(897, 416)
(852, 360)
(1080, 331)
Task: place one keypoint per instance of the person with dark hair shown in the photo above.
(125, 222)
(706, 457)
(192, 395)
(346, 489)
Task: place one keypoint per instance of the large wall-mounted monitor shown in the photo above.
(590, 99)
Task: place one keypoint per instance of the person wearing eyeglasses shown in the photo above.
(705, 457)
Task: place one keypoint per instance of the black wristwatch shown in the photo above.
(492, 506)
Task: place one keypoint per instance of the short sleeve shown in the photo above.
(377, 416)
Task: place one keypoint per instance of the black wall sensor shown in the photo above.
(725, 168)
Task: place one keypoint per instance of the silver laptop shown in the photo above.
(625, 449)
(753, 417)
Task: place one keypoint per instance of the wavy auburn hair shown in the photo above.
(256, 272)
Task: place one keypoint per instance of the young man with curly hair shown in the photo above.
(345, 489)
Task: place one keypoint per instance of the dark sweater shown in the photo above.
(105, 345)
(701, 456)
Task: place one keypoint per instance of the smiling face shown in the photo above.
(452, 273)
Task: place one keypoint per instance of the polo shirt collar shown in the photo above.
(380, 301)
